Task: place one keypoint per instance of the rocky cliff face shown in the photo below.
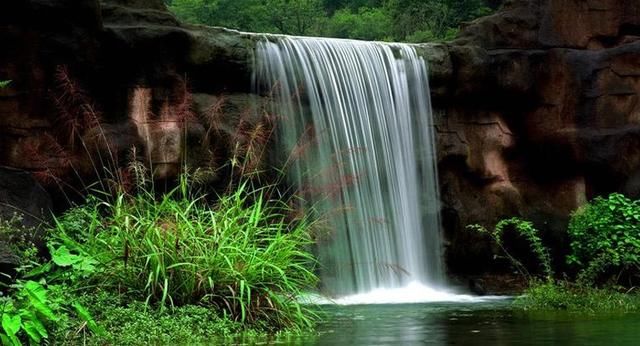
(538, 105)
(127, 66)
(541, 115)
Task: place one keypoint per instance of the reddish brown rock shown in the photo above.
(538, 105)
(543, 117)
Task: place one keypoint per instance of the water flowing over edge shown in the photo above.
(371, 102)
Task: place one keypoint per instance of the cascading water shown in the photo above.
(356, 119)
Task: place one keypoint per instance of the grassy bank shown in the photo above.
(602, 265)
(139, 269)
(577, 299)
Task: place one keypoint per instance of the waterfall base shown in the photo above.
(414, 292)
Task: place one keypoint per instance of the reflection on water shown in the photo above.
(467, 324)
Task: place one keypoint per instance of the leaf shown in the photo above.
(39, 270)
(85, 315)
(11, 325)
(10, 340)
(38, 299)
(32, 331)
(63, 257)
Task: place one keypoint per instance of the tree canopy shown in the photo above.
(388, 20)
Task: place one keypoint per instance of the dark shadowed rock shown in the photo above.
(543, 115)
(21, 194)
(538, 105)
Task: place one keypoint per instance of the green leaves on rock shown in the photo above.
(605, 239)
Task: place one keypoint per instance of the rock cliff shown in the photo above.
(542, 114)
(537, 106)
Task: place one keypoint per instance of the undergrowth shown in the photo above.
(242, 256)
(134, 264)
(135, 323)
(566, 296)
(604, 257)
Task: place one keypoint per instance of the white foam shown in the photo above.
(414, 292)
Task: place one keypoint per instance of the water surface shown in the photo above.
(488, 323)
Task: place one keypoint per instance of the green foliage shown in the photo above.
(428, 36)
(138, 324)
(364, 24)
(295, 17)
(4, 83)
(244, 256)
(381, 20)
(26, 313)
(526, 230)
(605, 238)
(437, 17)
(569, 297)
(19, 239)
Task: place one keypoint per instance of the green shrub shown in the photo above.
(4, 83)
(526, 230)
(605, 238)
(244, 256)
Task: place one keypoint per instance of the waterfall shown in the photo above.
(355, 121)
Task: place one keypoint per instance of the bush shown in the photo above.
(526, 230)
(244, 257)
(605, 239)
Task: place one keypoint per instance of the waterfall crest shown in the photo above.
(356, 119)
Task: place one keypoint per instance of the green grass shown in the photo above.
(137, 324)
(578, 299)
(245, 256)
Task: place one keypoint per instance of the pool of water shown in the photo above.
(487, 323)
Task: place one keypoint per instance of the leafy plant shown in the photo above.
(526, 230)
(4, 83)
(26, 314)
(244, 255)
(605, 238)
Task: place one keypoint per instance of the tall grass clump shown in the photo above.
(243, 255)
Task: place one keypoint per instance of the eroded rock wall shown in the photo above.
(542, 115)
(537, 105)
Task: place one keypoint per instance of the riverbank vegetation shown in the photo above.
(135, 268)
(380, 20)
(602, 269)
